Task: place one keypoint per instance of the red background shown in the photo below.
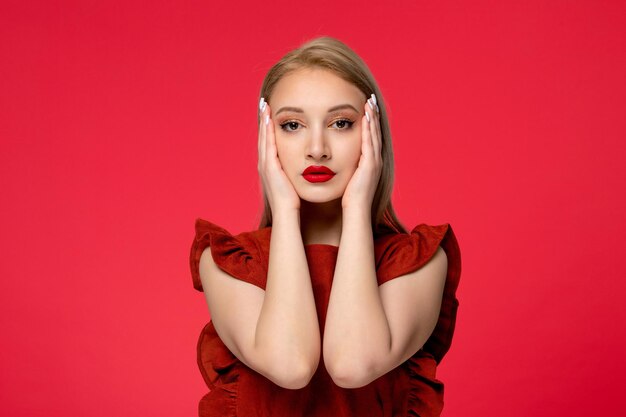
(121, 122)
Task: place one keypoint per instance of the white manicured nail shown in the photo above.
(369, 101)
(261, 103)
(267, 118)
(367, 116)
(374, 99)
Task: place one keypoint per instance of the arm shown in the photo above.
(288, 325)
(370, 330)
(276, 331)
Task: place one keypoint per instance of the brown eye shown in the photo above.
(344, 124)
(290, 124)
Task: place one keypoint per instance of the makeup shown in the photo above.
(318, 173)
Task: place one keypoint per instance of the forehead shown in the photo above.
(311, 86)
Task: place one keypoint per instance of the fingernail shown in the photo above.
(367, 116)
(261, 103)
(267, 118)
(374, 99)
(369, 101)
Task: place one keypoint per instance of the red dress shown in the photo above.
(410, 389)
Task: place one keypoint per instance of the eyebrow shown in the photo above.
(332, 109)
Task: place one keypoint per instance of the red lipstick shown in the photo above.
(317, 173)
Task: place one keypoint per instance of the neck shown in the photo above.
(321, 222)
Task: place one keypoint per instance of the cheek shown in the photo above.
(349, 156)
(355, 152)
(281, 148)
(285, 156)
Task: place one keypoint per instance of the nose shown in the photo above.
(317, 147)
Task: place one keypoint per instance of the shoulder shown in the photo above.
(397, 254)
(242, 255)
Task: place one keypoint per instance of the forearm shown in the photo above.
(356, 329)
(288, 329)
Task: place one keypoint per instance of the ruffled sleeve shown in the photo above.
(239, 255)
(401, 254)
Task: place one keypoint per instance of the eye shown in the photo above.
(344, 124)
(291, 124)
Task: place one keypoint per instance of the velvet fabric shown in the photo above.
(410, 389)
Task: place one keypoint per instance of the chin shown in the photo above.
(319, 199)
(320, 194)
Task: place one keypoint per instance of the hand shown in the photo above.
(362, 186)
(279, 190)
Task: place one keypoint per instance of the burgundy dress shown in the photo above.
(410, 389)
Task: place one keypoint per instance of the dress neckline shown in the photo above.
(321, 245)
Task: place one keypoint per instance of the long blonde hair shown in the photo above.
(331, 54)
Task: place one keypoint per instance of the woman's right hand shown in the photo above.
(279, 190)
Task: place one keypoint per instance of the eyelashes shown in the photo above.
(289, 123)
(292, 125)
(346, 122)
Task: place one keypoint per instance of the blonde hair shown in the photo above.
(331, 54)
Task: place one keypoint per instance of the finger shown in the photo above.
(379, 134)
(375, 124)
(366, 135)
(376, 132)
(271, 140)
(268, 124)
(263, 134)
(375, 102)
(378, 129)
(260, 144)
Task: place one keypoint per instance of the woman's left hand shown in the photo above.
(362, 186)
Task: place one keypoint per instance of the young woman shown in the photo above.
(330, 308)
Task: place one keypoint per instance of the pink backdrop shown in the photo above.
(121, 122)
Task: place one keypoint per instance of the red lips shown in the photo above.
(317, 170)
(317, 173)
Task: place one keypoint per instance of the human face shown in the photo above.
(310, 132)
